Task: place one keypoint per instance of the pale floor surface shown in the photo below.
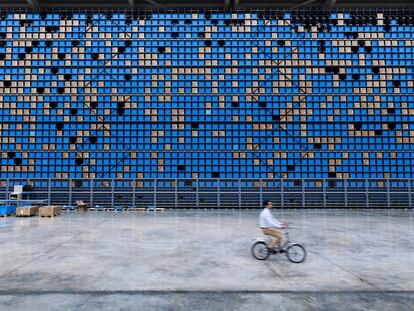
(200, 259)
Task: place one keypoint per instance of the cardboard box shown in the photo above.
(27, 211)
(49, 211)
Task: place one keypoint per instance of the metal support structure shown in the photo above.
(302, 4)
(155, 193)
(363, 192)
(239, 198)
(329, 3)
(346, 192)
(7, 189)
(218, 193)
(112, 192)
(153, 2)
(282, 194)
(303, 193)
(34, 4)
(236, 4)
(49, 191)
(388, 194)
(197, 194)
(70, 191)
(134, 185)
(324, 192)
(261, 192)
(176, 193)
(91, 194)
(226, 4)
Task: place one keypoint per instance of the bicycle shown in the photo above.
(295, 252)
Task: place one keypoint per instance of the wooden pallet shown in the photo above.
(50, 216)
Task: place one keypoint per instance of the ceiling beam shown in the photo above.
(155, 3)
(301, 4)
(329, 3)
(34, 4)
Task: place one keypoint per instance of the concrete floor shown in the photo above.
(200, 260)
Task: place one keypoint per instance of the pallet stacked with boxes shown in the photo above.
(206, 95)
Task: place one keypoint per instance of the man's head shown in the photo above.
(268, 204)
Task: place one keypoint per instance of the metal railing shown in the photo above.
(219, 193)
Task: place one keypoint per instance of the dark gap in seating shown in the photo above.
(53, 105)
(11, 154)
(276, 117)
(17, 161)
(378, 132)
(215, 174)
(73, 139)
(181, 168)
(391, 126)
(290, 167)
(317, 146)
(79, 161)
(73, 111)
(194, 125)
(59, 126)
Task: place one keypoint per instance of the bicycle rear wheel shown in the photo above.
(296, 253)
(260, 251)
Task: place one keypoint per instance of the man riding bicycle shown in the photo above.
(269, 225)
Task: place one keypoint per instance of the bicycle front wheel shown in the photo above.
(260, 251)
(296, 253)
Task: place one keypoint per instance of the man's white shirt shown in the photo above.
(266, 220)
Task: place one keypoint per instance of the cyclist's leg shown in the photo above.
(274, 233)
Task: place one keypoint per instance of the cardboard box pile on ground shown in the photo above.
(50, 210)
(23, 211)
